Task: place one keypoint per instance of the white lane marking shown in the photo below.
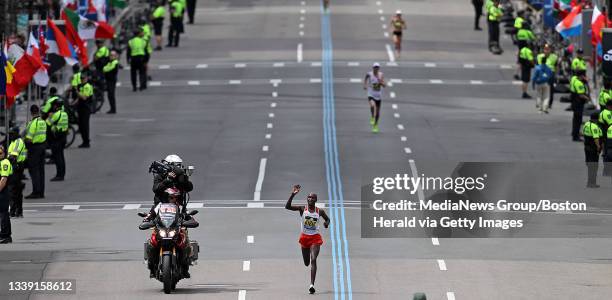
(355, 80)
(260, 179)
(494, 120)
(302, 11)
(315, 80)
(392, 95)
(407, 150)
(430, 65)
(271, 115)
(389, 84)
(195, 205)
(394, 106)
(71, 207)
(278, 64)
(276, 81)
(21, 261)
(265, 148)
(390, 53)
(301, 25)
(450, 296)
(163, 67)
(442, 265)
(435, 241)
(193, 82)
(384, 26)
(118, 84)
(235, 82)
(392, 63)
(255, 205)
(505, 66)
(353, 64)
(250, 239)
(246, 265)
(273, 104)
(240, 65)
(268, 136)
(315, 64)
(469, 66)
(300, 54)
(201, 66)
(436, 81)
(242, 295)
(386, 34)
(396, 80)
(131, 206)
(154, 83)
(400, 126)
(382, 18)
(320, 205)
(476, 82)
(301, 33)
(517, 82)
(380, 11)
(378, 3)
(403, 138)
(396, 115)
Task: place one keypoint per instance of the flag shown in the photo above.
(3, 72)
(118, 3)
(70, 4)
(572, 24)
(72, 20)
(25, 68)
(89, 29)
(58, 43)
(598, 21)
(41, 77)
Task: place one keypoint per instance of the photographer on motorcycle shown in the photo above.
(175, 178)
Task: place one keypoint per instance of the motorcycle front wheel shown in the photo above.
(167, 273)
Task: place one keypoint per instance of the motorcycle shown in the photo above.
(170, 236)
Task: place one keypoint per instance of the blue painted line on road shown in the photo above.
(341, 261)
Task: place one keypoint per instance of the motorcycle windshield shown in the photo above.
(167, 214)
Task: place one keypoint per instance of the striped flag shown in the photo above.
(572, 24)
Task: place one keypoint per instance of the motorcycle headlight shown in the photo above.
(162, 233)
(171, 233)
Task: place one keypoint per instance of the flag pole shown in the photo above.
(6, 115)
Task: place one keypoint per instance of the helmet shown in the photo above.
(173, 159)
(172, 191)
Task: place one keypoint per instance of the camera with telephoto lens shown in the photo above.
(163, 169)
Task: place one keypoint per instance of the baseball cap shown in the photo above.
(398, 12)
(376, 65)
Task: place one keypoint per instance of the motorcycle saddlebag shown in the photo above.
(195, 249)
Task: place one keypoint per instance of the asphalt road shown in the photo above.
(246, 100)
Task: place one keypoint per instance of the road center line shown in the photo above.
(260, 179)
(300, 55)
(390, 53)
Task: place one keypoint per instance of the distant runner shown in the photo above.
(374, 82)
(310, 238)
(397, 25)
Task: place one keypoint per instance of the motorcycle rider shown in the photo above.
(176, 178)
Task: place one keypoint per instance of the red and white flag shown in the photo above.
(41, 77)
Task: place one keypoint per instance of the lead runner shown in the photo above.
(310, 238)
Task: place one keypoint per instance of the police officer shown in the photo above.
(53, 97)
(608, 153)
(605, 94)
(578, 63)
(101, 56)
(191, 5)
(17, 154)
(551, 60)
(527, 63)
(75, 81)
(5, 220)
(494, 16)
(36, 143)
(110, 75)
(592, 147)
(580, 95)
(146, 35)
(158, 23)
(136, 51)
(477, 13)
(83, 104)
(58, 122)
(176, 23)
